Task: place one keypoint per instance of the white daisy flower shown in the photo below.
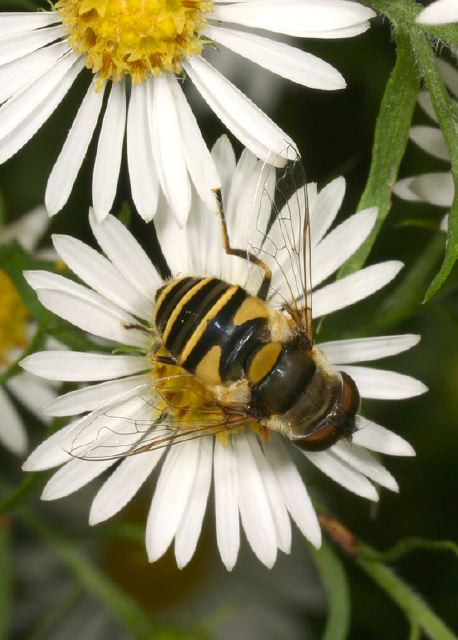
(255, 480)
(439, 12)
(436, 187)
(16, 330)
(137, 52)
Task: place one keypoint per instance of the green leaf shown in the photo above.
(334, 580)
(415, 608)
(5, 577)
(390, 141)
(447, 118)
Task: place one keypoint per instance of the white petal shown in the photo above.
(224, 158)
(85, 308)
(56, 90)
(174, 240)
(199, 161)
(91, 397)
(449, 74)
(384, 385)
(295, 17)
(434, 188)
(15, 45)
(19, 74)
(365, 463)
(343, 474)
(226, 503)
(127, 255)
(17, 109)
(403, 189)
(425, 102)
(27, 230)
(294, 491)
(274, 494)
(20, 21)
(377, 438)
(68, 164)
(171, 496)
(325, 208)
(289, 62)
(191, 523)
(100, 274)
(109, 151)
(365, 349)
(72, 476)
(431, 140)
(255, 511)
(142, 171)
(32, 392)
(340, 244)
(355, 287)
(168, 148)
(12, 433)
(122, 485)
(73, 366)
(49, 453)
(439, 12)
(246, 121)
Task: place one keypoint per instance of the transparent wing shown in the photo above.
(149, 418)
(280, 237)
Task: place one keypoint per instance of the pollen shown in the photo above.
(135, 38)
(13, 318)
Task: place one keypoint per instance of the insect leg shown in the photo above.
(242, 253)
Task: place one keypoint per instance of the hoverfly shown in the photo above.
(225, 356)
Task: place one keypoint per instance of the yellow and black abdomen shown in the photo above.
(210, 327)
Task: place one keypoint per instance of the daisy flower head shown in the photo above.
(145, 396)
(137, 52)
(439, 12)
(16, 331)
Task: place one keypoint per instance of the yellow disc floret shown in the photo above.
(13, 317)
(134, 37)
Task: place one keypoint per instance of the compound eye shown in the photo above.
(350, 395)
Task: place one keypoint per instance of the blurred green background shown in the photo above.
(334, 132)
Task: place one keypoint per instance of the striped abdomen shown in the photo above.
(210, 327)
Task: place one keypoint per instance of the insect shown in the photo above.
(224, 358)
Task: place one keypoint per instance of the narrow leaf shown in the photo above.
(447, 117)
(334, 580)
(390, 140)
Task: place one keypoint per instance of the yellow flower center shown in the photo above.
(134, 37)
(13, 317)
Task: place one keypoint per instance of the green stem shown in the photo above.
(415, 608)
